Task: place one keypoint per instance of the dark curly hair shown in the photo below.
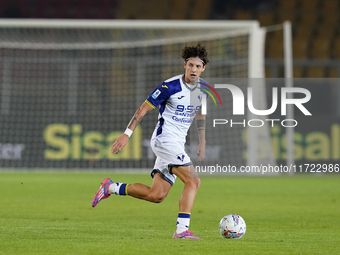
(195, 51)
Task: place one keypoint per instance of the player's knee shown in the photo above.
(197, 182)
(156, 198)
(194, 183)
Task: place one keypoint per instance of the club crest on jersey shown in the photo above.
(156, 94)
(180, 157)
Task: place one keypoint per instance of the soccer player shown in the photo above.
(179, 100)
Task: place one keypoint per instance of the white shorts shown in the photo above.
(168, 154)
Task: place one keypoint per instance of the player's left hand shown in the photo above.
(201, 151)
(119, 144)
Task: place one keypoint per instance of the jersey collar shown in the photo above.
(186, 85)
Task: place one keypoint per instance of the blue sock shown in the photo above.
(118, 188)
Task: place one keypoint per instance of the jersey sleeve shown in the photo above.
(204, 89)
(205, 95)
(158, 96)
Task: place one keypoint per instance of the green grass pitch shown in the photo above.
(51, 213)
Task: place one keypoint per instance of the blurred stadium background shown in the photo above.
(315, 23)
(42, 113)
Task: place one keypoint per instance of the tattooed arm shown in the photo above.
(121, 141)
(200, 122)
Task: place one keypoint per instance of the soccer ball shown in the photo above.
(232, 226)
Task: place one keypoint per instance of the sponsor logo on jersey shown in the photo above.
(164, 86)
(156, 93)
(180, 97)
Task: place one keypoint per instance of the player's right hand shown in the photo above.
(120, 143)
